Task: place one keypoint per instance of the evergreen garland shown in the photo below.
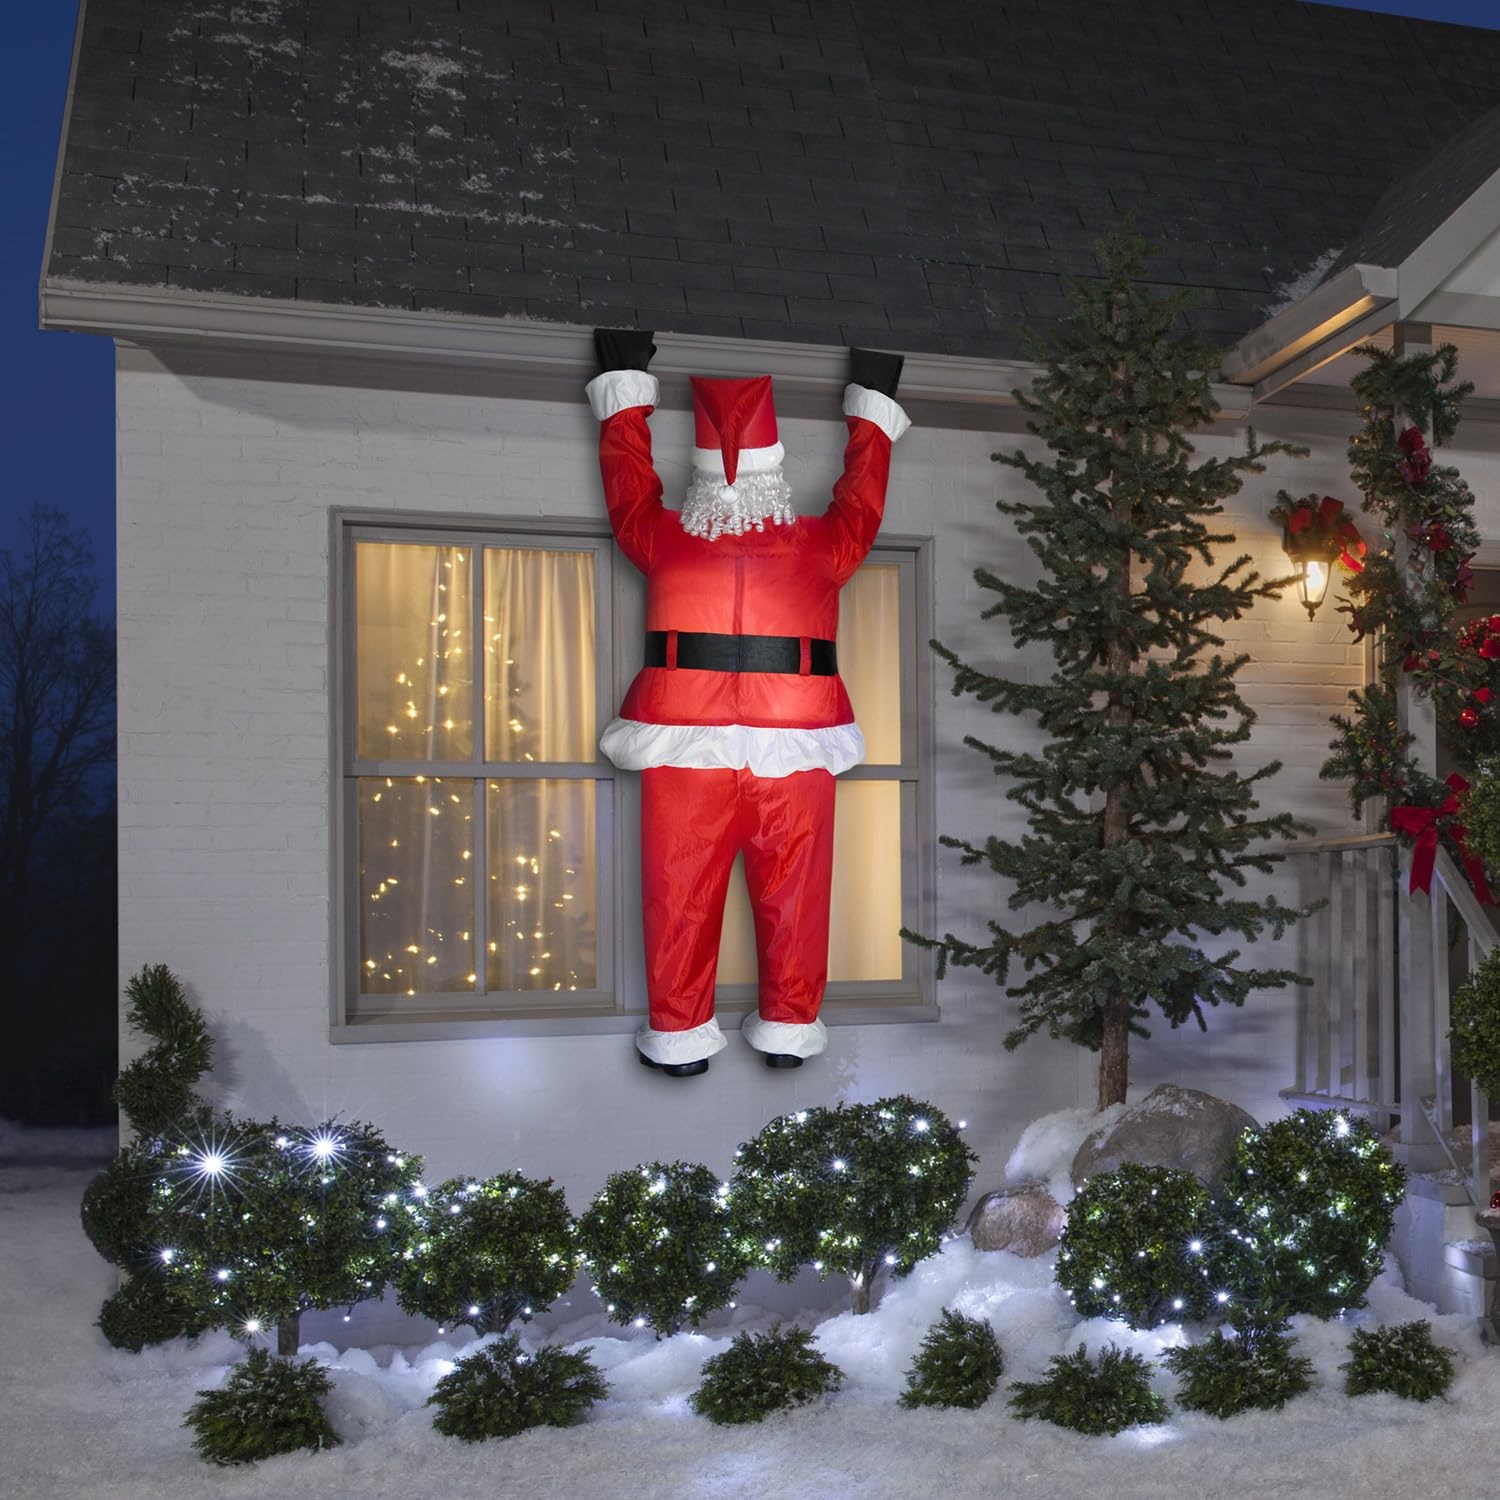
(851, 1191)
(267, 1406)
(1142, 1244)
(660, 1246)
(1139, 825)
(959, 1364)
(1311, 1200)
(500, 1390)
(1098, 1397)
(1402, 1360)
(761, 1373)
(1409, 588)
(487, 1253)
(1254, 1370)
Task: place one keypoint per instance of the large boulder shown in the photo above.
(1170, 1127)
(1024, 1219)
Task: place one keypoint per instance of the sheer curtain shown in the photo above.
(539, 614)
(865, 917)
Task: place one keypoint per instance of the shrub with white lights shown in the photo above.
(255, 1224)
(1254, 1369)
(267, 1406)
(1141, 1244)
(487, 1253)
(761, 1373)
(501, 1390)
(959, 1364)
(1095, 1396)
(851, 1191)
(1309, 1201)
(660, 1245)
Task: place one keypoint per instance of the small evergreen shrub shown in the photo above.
(660, 1246)
(1479, 812)
(147, 1310)
(1310, 1200)
(1475, 1026)
(761, 1373)
(116, 1207)
(155, 1092)
(1402, 1360)
(267, 1406)
(851, 1191)
(487, 1253)
(500, 1390)
(959, 1364)
(1255, 1369)
(1142, 1244)
(1095, 1397)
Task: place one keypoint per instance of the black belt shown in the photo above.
(698, 651)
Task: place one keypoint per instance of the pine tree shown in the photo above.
(1137, 822)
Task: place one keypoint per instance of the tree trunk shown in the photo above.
(289, 1335)
(1114, 1053)
(860, 1282)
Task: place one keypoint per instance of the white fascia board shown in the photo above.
(57, 168)
(1467, 229)
(1359, 294)
(1459, 310)
(156, 317)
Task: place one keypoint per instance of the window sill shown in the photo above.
(903, 1011)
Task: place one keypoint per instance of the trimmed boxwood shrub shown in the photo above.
(500, 1390)
(761, 1373)
(1310, 1201)
(851, 1191)
(1255, 1369)
(959, 1364)
(487, 1253)
(1142, 1244)
(1474, 1032)
(267, 1406)
(660, 1246)
(1097, 1397)
(1402, 1360)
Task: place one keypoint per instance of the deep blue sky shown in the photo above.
(58, 435)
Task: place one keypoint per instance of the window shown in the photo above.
(488, 852)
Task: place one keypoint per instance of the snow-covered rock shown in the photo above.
(1171, 1127)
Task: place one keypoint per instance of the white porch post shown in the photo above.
(1416, 716)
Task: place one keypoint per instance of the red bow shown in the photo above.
(1421, 823)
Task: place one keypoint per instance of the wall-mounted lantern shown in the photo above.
(1317, 533)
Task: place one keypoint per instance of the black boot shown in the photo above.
(781, 1060)
(676, 1070)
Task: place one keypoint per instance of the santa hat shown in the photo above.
(734, 429)
(737, 480)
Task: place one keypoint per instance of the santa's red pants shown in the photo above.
(693, 823)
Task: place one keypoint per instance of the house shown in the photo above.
(370, 616)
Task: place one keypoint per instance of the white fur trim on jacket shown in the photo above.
(673, 1047)
(634, 746)
(786, 1037)
(876, 407)
(751, 460)
(618, 390)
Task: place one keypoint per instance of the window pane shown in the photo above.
(416, 672)
(870, 657)
(416, 895)
(540, 931)
(539, 655)
(865, 920)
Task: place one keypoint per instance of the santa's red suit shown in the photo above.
(738, 721)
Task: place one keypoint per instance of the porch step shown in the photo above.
(1444, 1187)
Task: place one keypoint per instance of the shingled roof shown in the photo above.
(911, 174)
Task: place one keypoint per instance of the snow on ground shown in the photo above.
(83, 1421)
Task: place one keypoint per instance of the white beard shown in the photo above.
(712, 507)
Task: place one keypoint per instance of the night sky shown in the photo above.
(59, 417)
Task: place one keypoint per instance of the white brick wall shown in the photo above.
(224, 489)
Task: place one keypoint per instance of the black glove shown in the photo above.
(875, 371)
(623, 349)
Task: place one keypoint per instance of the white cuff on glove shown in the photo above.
(876, 407)
(618, 390)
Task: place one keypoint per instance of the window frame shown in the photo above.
(619, 1003)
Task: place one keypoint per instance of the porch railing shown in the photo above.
(1372, 1028)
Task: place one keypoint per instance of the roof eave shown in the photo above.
(157, 317)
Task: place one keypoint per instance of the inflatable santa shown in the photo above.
(738, 721)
